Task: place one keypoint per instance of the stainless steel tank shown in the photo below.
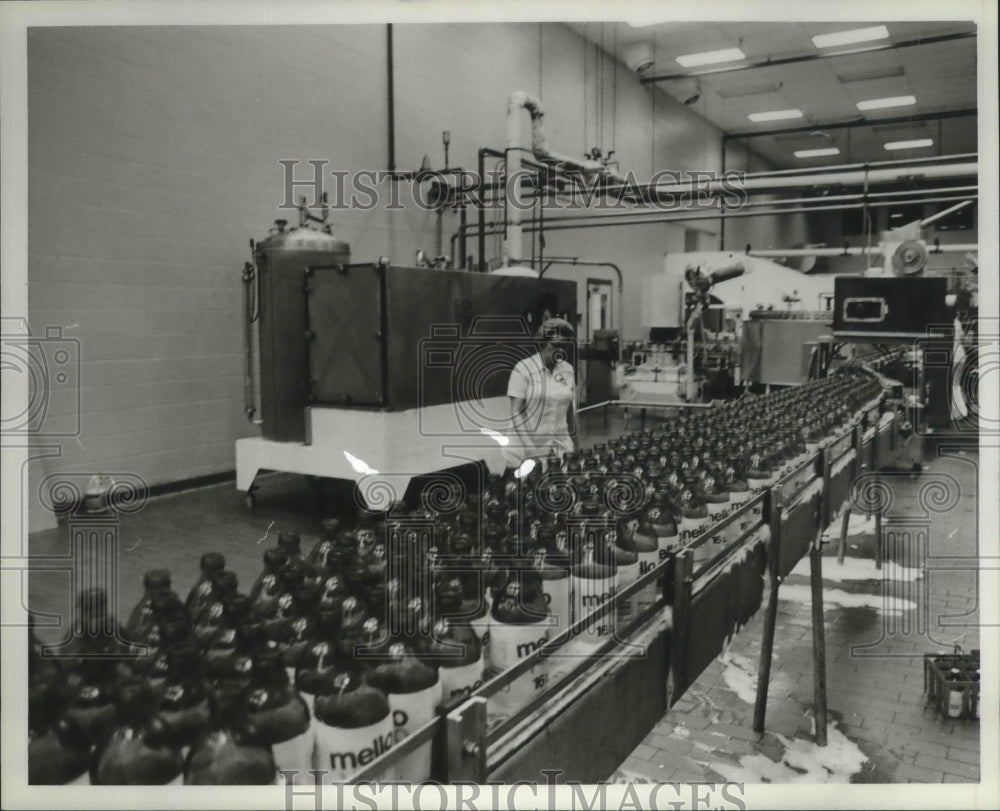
(276, 311)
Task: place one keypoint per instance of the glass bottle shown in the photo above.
(229, 752)
(414, 692)
(183, 701)
(280, 716)
(142, 750)
(290, 542)
(352, 725)
(265, 590)
(519, 625)
(58, 750)
(155, 582)
(212, 563)
(207, 622)
(319, 656)
(92, 704)
(454, 649)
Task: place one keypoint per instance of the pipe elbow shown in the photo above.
(519, 99)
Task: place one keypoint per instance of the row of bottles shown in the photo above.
(335, 654)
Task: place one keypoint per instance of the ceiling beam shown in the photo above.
(859, 122)
(793, 60)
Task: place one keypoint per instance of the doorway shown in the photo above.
(599, 306)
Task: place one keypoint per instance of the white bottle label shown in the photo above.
(647, 596)
(410, 711)
(955, 702)
(690, 528)
(718, 510)
(589, 595)
(461, 680)
(626, 577)
(557, 596)
(177, 781)
(82, 780)
(341, 752)
(296, 754)
(508, 645)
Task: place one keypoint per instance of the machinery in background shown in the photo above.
(356, 369)
(702, 279)
(780, 347)
(601, 356)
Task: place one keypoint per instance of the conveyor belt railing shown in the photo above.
(793, 511)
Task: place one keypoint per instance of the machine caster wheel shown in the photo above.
(250, 500)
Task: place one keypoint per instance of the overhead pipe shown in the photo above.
(850, 251)
(512, 248)
(858, 177)
(517, 104)
(611, 220)
(791, 204)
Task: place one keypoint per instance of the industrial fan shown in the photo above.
(903, 250)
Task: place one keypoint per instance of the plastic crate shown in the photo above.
(953, 697)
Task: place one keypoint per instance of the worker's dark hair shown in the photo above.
(555, 330)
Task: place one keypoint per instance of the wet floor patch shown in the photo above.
(802, 761)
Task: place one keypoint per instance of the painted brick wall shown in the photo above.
(153, 159)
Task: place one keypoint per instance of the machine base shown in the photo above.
(382, 450)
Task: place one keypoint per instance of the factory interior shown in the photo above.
(471, 402)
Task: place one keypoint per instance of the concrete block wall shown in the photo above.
(153, 159)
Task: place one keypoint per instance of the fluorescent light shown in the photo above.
(817, 153)
(892, 101)
(711, 57)
(916, 143)
(775, 115)
(850, 37)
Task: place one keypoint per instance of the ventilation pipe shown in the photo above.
(513, 147)
(517, 104)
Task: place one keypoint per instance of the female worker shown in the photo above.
(542, 391)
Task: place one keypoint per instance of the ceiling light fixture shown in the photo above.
(850, 37)
(711, 57)
(892, 101)
(775, 115)
(817, 153)
(916, 143)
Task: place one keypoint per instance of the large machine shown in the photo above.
(365, 371)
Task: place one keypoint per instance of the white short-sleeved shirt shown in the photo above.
(547, 396)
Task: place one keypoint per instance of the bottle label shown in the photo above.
(718, 510)
(667, 546)
(647, 596)
(341, 752)
(296, 754)
(462, 680)
(557, 596)
(690, 528)
(410, 711)
(627, 575)
(508, 645)
(511, 643)
(589, 595)
(956, 700)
